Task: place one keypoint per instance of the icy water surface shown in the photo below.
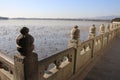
(51, 36)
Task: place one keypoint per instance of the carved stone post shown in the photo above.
(108, 28)
(111, 28)
(102, 29)
(92, 32)
(75, 37)
(114, 25)
(117, 26)
(25, 63)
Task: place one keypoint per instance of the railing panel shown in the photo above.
(105, 39)
(113, 34)
(6, 67)
(97, 44)
(58, 66)
(119, 31)
(110, 37)
(84, 54)
(5, 75)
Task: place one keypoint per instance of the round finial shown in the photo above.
(93, 29)
(24, 30)
(75, 26)
(102, 29)
(75, 33)
(25, 42)
(92, 32)
(93, 25)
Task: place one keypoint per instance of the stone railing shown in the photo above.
(6, 67)
(58, 66)
(64, 65)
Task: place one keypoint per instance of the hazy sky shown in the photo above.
(59, 8)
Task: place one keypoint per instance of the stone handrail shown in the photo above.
(58, 66)
(7, 60)
(64, 65)
(83, 54)
(6, 67)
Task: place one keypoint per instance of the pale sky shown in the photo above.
(59, 8)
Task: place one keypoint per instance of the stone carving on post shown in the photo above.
(117, 26)
(25, 42)
(26, 63)
(112, 27)
(92, 32)
(102, 29)
(108, 28)
(75, 37)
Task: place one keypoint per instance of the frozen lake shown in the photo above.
(51, 36)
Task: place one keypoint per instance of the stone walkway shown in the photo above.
(108, 67)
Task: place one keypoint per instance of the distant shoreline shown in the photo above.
(65, 19)
(4, 18)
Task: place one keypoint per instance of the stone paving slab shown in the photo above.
(108, 67)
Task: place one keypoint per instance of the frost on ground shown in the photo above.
(50, 37)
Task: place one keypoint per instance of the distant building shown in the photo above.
(116, 20)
